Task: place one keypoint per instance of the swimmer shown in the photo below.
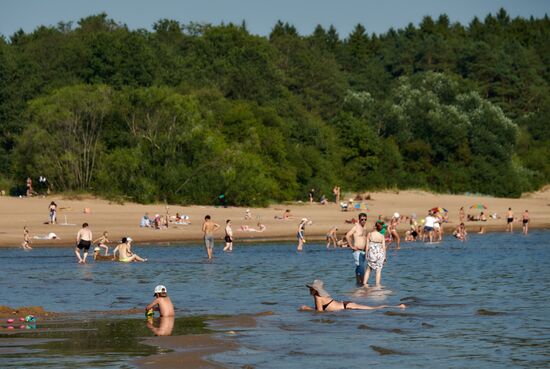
(323, 301)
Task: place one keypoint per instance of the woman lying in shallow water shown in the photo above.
(323, 301)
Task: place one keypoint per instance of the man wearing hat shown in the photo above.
(161, 303)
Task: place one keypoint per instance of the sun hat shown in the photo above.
(160, 289)
(317, 285)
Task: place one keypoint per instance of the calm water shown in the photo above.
(483, 303)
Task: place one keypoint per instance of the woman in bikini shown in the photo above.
(323, 301)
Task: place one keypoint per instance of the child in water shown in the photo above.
(161, 303)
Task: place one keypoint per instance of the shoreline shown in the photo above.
(123, 219)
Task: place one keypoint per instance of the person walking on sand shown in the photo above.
(510, 220)
(300, 234)
(53, 212)
(83, 242)
(356, 239)
(228, 236)
(26, 239)
(208, 227)
(525, 221)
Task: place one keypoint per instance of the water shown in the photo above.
(483, 303)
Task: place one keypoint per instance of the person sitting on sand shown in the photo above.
(123, 252)
(245, 228)
(286, 215)
(161, 303)
(323, 301)
(145, 221)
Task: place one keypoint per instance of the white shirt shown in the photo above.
(429, 221)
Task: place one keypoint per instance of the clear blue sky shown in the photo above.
(260, 15)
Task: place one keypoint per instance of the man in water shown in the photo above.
(123, 252)
(525, 221)
(356, 238)
(83, 242)
(208, 227)
(510, 220)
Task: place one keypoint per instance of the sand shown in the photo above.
(123, 219)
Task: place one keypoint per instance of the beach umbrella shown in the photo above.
(478, 206)
(438, 210)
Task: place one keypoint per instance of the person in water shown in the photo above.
(161, 303)
(323, 301)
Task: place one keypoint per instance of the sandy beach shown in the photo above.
(124, 219)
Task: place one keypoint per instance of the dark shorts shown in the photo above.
(525, 221)
(228, 239)
(428, 229)
(510, 220)
(84, 245)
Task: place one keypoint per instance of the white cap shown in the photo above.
(97, 248)
(160, 289)
(129, 239)
(304, 219)
(396, 215)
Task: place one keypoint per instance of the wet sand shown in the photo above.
(123, 219)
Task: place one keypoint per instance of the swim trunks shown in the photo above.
(228, 239)
(84, 245)
(209, 241)
(525, 221)
(510, 220)
(299, 235)
(428, 229)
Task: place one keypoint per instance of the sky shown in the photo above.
(260, 15)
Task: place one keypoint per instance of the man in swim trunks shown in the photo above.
(208, 227)
(525, 221)
(356, 238)
(123, 252)
(83, 242)
(510, 220)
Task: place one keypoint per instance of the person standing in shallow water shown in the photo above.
(357, 241)
(208, 227)
(525, 221)
(83, 242)
(300, 234)
(228, 236)
(510, 220)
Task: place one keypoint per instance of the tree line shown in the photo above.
(186, 112)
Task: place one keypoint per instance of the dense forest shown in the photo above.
(186, 112)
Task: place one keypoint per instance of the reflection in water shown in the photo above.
(165, 325)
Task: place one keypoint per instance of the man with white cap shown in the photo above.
(161, 303)
(123, 252)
